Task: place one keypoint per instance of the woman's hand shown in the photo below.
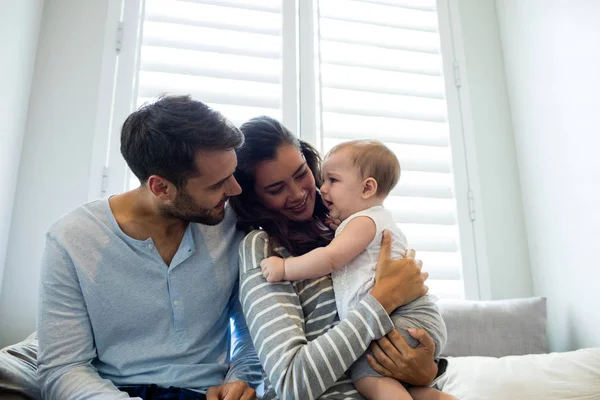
(394, 358)
(333, 223)
(397, 282)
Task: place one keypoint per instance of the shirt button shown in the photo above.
(176, 303)
(150, 246)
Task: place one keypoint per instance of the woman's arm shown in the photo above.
(296, 367)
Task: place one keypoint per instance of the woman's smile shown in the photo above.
(301, 207)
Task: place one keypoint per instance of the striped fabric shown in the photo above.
(302, 346)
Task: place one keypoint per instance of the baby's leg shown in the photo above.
(422, 313)
(428, 393)
(381, 388)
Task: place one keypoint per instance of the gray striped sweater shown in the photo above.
(303, 347)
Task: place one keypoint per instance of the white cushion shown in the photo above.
(571, 375)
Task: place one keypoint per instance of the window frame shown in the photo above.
(299, 111)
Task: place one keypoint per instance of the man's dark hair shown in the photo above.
(163, 137)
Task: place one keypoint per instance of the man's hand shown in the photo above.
(397, 282)
(237, 390)
(394, 358)
(273, 269)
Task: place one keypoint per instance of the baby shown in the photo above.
(357, 177)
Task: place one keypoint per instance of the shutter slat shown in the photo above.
(413, 184)
(423, 190)
(240, 114)
(216, 65)
(399, 137)
(439, 241)
(440, 265)
(387, 82)
(421, 115)
(379, 36)
(383, 105)
(431, 109)
(222, 41)
(259, 5)
(379, 58)
(379, 15)
(431, 243)
(235, 113)
(391, 130)
(423, 5)
(413, 158)
(446, 289)
(216, 90)
(213, 16)
(422, 210)
(438, 165)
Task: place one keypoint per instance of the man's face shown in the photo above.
(202, 199)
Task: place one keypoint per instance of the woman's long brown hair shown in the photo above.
(263, 137)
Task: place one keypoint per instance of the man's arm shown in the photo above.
(346, 246)
(66, 342)
(245, 365)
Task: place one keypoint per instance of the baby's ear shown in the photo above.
(369, 188)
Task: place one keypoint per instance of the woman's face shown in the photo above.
(286, 184)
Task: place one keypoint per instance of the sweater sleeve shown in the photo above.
(66, 342)
(296, 367)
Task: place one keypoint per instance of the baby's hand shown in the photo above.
(273, 269)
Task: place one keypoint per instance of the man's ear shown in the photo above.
(369, 188)
(161, 188)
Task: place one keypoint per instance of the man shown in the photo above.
(137, 291)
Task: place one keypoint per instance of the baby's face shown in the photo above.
(342, 185)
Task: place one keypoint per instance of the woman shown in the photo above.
(302, 346)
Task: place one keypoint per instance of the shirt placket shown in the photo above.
(175, 276)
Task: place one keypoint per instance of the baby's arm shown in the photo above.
(352, 241)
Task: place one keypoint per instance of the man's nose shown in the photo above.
(233, 187)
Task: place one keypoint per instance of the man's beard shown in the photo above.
(184, 208)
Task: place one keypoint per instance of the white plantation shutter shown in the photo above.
(381, 77)
(331, 70)
(227, 53)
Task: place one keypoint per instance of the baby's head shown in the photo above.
(357, 175)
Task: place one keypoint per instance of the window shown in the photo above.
(331, 70)
(381, 77)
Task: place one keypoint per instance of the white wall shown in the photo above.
(19, 28)
(502, 245)
(57, 148)
(552, 56)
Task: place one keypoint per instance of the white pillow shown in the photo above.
(555, 376)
